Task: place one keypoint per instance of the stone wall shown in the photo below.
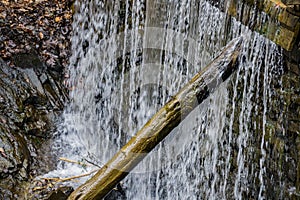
(283, 158)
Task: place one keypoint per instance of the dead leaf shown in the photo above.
(5, 2)
(38, 188)
(2, 152)
(57, 19)
(67, 16)
(22, 10)
(41, 35)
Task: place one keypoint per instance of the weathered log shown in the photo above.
(160, 125)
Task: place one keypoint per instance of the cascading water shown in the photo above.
(128, 59)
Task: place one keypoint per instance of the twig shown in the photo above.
(78, 176)
(75, 162)
(93, 158)
(51, 179)
(69, 178)
(94, 164)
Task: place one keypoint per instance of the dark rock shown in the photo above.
(293, 127)
(28, 60)
(26, 117)
(294, 68)
(117, 193)
(61, 193)
(35, 51)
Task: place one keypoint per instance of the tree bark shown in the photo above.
(161, 124)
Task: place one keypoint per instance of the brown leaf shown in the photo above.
(67, 16)
(57, 19)
(2, 152)
(22, 10)
(5, 2)
(41, 35)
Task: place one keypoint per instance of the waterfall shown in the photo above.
(129, 58)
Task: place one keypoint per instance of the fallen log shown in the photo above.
(160, 125)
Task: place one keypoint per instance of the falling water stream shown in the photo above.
(129, 58)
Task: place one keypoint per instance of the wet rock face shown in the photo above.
(35, 46)
(29, 99)
(282, 135)
(281, 139)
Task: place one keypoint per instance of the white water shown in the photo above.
(125, 73)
